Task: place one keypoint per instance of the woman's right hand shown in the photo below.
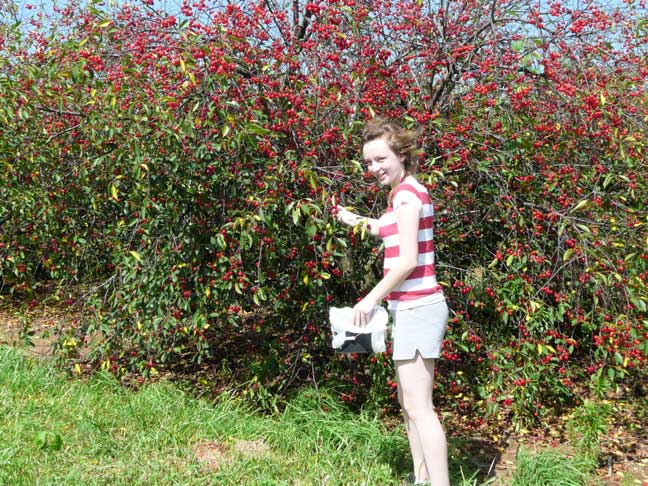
(347, 217)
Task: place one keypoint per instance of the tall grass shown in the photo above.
(56, 430)
(587, 424)
(552, 467)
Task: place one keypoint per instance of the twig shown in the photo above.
(60, 112)
(94, 289)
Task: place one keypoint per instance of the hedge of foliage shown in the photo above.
(182, 165)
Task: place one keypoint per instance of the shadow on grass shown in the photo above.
(474, 458)
(472, 461)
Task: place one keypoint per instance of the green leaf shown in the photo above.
(41, 440)
(584, 228)
(581, 204)
(49, 440)
(56, 443)
(258, 129)
(517, 46)
(609, 178)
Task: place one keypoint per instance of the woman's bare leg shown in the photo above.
(424, 431)
(420, 471)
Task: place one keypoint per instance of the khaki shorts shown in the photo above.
(419, 329)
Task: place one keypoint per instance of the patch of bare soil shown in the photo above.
(506, 464)
(623, 460)
(214, 456)
(617, 470)
(36, 333)
(35, 326)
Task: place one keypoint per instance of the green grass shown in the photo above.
(56, 430)
(552, 467)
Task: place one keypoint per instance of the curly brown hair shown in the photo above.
(402, 141)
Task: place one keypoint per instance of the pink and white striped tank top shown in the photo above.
(420, 287)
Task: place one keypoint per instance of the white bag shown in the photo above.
(350, 339)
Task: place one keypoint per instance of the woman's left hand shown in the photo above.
(362, 312)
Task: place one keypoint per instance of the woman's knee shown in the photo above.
(416, 407)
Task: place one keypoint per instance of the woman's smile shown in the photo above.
(383, 162)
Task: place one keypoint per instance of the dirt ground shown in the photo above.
(624, 450)
(42, 322)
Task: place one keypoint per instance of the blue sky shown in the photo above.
(173, 5)
(27, 9)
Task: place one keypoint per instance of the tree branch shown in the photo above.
(60, 112)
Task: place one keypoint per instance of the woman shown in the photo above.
(416, 301)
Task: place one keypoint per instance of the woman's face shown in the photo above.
(383, 163)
